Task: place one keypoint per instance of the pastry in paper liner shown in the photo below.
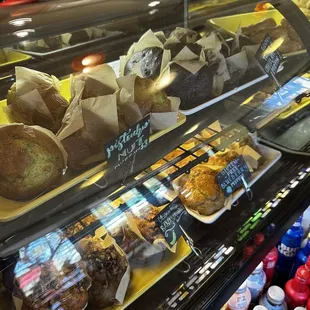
(237, 66)
(141, 251)
(109, 270)
(32, 161)
(87, 125)
(184, 35)
(50, 273)
(176, 48)
(139, 97)
(191, 88)
(199, 191)
(99, 81)
(145, 57)
(35, 100)
(149, 61)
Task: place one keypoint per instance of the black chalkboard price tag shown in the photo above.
(269, 58)
(170, 219)
(230, 178)
(122, 150)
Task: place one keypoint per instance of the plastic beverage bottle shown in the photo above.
(256, 282)
(241, 299)
(287, 250)
(269, 263)
(301, 257)
(296, 289)
(307, 266)
(274, 299)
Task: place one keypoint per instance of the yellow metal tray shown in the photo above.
(14, 58)
(231, 23)
(11, 209)
(144, 278)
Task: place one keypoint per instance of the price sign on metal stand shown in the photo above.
(269, 57)
(233, 176)
(121, 151)
(172, 220)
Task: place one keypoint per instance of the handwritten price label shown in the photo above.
(123, 149)
(169, 220)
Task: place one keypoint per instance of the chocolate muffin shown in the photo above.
(192, 89)
(149, 61)
(106, 267)
(175, 48)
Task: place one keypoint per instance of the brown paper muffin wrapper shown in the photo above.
(106, 242)
(148, 39)
(93, 120)
(159, 121)
(29, 107)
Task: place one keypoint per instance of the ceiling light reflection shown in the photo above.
(153, 3)
(18, 22)
(273, 46)
(23, 33)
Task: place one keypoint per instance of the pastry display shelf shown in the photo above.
(212, 280)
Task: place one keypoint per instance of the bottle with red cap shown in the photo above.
(307, 266)
(269, 263)
(296, 289)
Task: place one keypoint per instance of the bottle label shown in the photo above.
(287, 251)
(238, 302)
(271, 265)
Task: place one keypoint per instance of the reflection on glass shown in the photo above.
(18, 22)
(23, 33)
(51, 274)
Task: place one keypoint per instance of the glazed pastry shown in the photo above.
(201, 192)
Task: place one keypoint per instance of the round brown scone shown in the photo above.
(223, 158)
(201, 191)
(31, 161)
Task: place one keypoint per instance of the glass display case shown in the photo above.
(151, 152)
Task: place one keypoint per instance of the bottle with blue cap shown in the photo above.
(256, 282)
(288, 247)
(301, 257)
(274, 299)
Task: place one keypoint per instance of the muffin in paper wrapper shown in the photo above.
(108, 268)
(35, 100)
(50, 273)
(90, 123)
(147, 53)
(140, 97)
(137, 233)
